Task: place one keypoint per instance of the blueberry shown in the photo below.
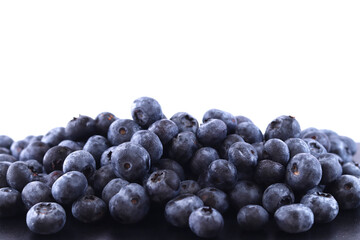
(54, 158)
(89, 209)
(121, 131)
(163, 185)
(130, 205)
(32, 138)
(244, 193)
(178, 209)
(241, 119)
(17, 147)
(351, 168)
(103, 121)
(71, 144)
(346, 191)
(145, 111)
(54, 136)
(252, 217)
(7, 158)
(215, 198)
(35, 150)
(4, 166)
(112, 188)
(4, 150)
(268, 172)
(18, 175)
(244, 156)
(35, 166)
(96, 145)
(283, 127)
(105, 158)
(50, 178)
(10, 202)
(130, 161)
(259, 147)
(277, 195)
(165, 129)
(223, 148)
(206, 222)
(202, 159)
(67, 188)
(167, 163)
(151, 142)
(276, 150)
(81, 161)
(226, 117)
(319, 136)
(351, 145)
(294, 218)
(6, 141)
(297, 145)
(212, 132)
(102, 176)
(303, 172)
(249, 132)
(316, 149)
(189, 186)
(185, 122)
(183, 146)
(35, 192)
(323, 205)
(340, 148)
(46, 218)
(331, 167)
(222, 174)
(80, 128)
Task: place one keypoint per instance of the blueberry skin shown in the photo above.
(222, 174)
(323, 205)
(167, 163)
(7, 158)
(71, 144)
(6, 141)
(259, 147)
(241, 119)
(340, 148)
(130, 161)
(223, 148)
(182, 147)
(185, 122)
(215, 198)
(202, 159)
(249, 132)
(46, 218)
(244, 156)
(319, 136)
(54, 136)
(252, 217)
(283, 127)
(67, 188)
(105, 158)
(294, 218)
(103, 121)
(226, 117)
(4, 166)
(276, 196)
(102, 177)
(276, 150)
(89, 209)
(297, 145)
(80, 128)
(165, 129)
(35, 167)
(178, 209)
(17, 147)
(112, 188)
(303, 172)
(350, 143)
(96, 145)
(121, 131)
(212, 132)
(151, 142)
(189, 186)
(351, 168)
(50, 178)
(10, 202)
(54, 158)
(4, 150)
(130, 205)
(244, 193)
(35, 192)
(268, 172)
(18, 175)
(316, 149)
(145, 111)
(346, 190)
(35, 150)
(331, 167)
(81, 161)
(162, 185)
(206, 222)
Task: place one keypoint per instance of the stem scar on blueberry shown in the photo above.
(295, 170)
(122, 131)
(127, 166)
(134, 200)
(156, 177)
(348, 186)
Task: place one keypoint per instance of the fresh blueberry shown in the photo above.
(105, 158)
(331, 167)
(276, 150)
(268, 172)
(112, 188)
(163, 185)
(223, 148)
(103, 121)
(206, 222)
(102, 177)
(50, 178)
(130, 205)
(222, 174)
(277, 195)
(46, 218)
(319, 136)
(81, 161)
(35, 192)
(189, 186)
(241, 119)
(35, 166)
(71, 144)
(252, 217)
(215, 198)
(167, 163)
(35, 150)
(165, 129)
(54, 136)
(226, 117)
(10, 202)
(351, 168)
(244, 156)
(340, 148)
(80, 128)
(249, 132)
(202, 159)
(185, 122)
(151, 142)
(316, 149)
(4, 150)
(283, 127)
(323, 205)
(212, 132)
(294, 218)
(145, 111)
(350, 144)
(183, 146)
(67, 188)
(303, 172)
(178, 209)
(130, 161)
(17, 147)
(121, 131)
(297, 145)
(259, 147)
(89, 209)
(4, 166)
(54, 158)
(18, 175)
(346, 191)
(7, 158)
(32, 138)
(96, 145)
(6, 141)
(244, 193)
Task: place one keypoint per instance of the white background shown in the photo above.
(260, 59)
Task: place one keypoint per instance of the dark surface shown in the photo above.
(345, 226)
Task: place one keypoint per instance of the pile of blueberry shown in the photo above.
(193, 173)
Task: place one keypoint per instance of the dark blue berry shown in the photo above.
(297, 145)
(17, 147)
(202, 159)
(6, 141)
(165, 129)
(183, 146)
(252, 217)
(7, 158)
(351, 168)
(112, 188)
(241, 119)
(81, 161)
(4, 166)
(222, 174)
(89, 209)
(268, 172)
(96, 145)
(151, 142)
(244, 156)
(340, 148)
(215, 198)
(80, 128)
(283, 127)
(18, 175)
(35, 150)
(212, 132)
(244, 193)
(54, 158)
(277, 195)
(346, 191)
(10, 202)
(331, 167)
(206, 222)
(316, 149)
(189, 186)
(249, 132)
(71, 144)
(185, 122)
(276, 150)
(105, 158)
(103, 121)
(319, 136)
(35, 192)
(170, 164)
(226, 117)
(54, 136)
(351, 145)
(162, 185)
(223, 148)
(121, 131)
(102, 176)
(145, 111)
